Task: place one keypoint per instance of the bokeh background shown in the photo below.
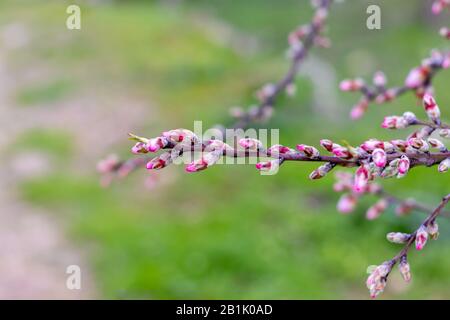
(68, 98)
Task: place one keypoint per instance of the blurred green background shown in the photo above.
(225, 233)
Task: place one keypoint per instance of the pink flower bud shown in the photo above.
(139, 147)
(351, 84)
(405, 269)
(418, 144)
(278, 149)
(444, 165)
(267, 165)
(398, 237)
(347, 203)
(431, 108)
(321, 171)
(156, 144)
(379, 79)
(376, 282)
(379, 158)
(439, 5)
(421, 237)
(400, 145)
(377, 209)
(403, 165)
(250, 144)
(180, 135)
(394, 122)
(371, 145)
(327, 144)
(308, 151)
(160, 162)
(445, 32)
(417, 77)
(359, 109)
(437, 144)
(445, 133)
(108, 164)
(386, 96)
(433, 230)
(361, 179)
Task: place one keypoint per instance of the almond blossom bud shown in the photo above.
(394, 122)
(410, 117)
(417, 77)
(342, 152)
(421, 237)
(250, 144)
(379, 157)
(437, 144)
(205, 161)
(359, 109)
(371, 145)
(379, 79)
(139, 147)
(162, 161)
(156, 144)
(327, 144)
(439, 5)
(418, 144)
(321, 171)
(376, 282)
(398, 237)
(400, 145)
(403, 166)
(386, 96)
(445, 32)
(444, 133)
(278, 149)
(433, 230)
(405, 269)
(347, 203)
(352, 84)
(444, 165)
(267, 165)
(308, 151)
(391, 170)
(180, 135)
(361, 179)
(431, 108)
(377, 209)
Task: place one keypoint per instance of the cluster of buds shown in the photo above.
(418, 80)
(439, 5)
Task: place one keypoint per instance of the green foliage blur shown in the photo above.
(228, 232)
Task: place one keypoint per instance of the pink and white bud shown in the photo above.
(444, 165)
(433, 230)
(376, 282)
(250, 144)
(359, 109)
(379, 79)
(405, 269)
(162, 161)
(156, 144)
(347, 203)
(308, 151)
(352, 84)
(180, 135)
(445, 133)
(400, 145)
(398, 237)
(139, 148)
(437, 144)
(361, 179)
(410, 117)
(394, 122)
(421, 237)
(267, 165)
(403, 166)
(445, 32)
(391, 170)
(379, 157)
(267, 91)
(321, 171)
(342, 152)
(327, 144)
(386, 96)
(417, 77)
(439, 5)
(419, 144)
(109, 164)
(377, 209)
(371, 145)
(431, 108)
(278, 149)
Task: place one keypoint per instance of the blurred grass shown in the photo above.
(217, 234)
